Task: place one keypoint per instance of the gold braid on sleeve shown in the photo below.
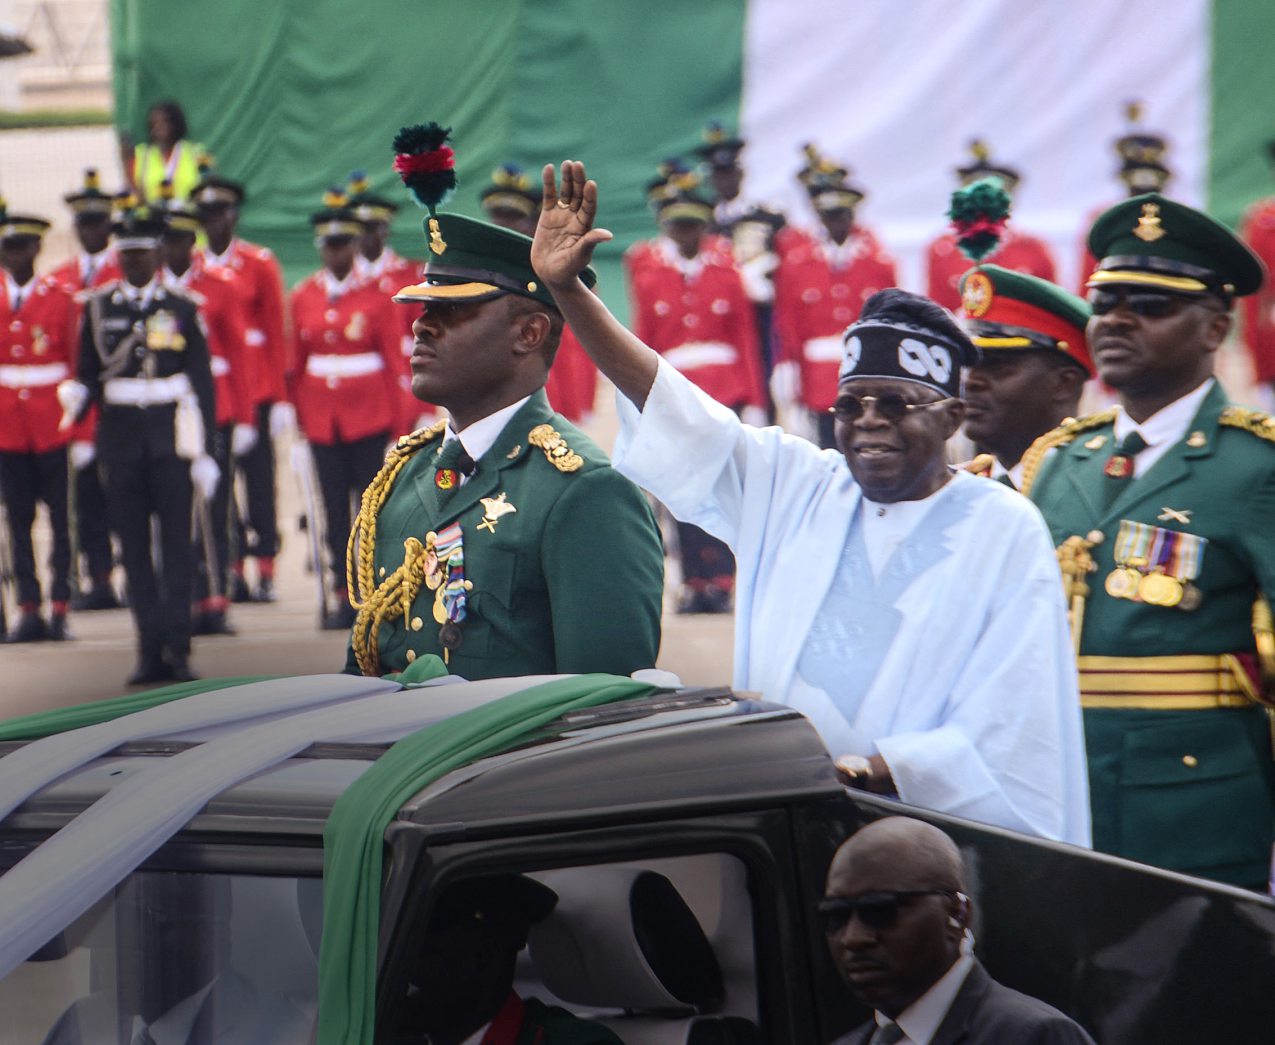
(378, 604)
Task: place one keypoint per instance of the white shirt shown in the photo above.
(91, 264)
(1162, 430)
(921, 1020)
(140, 297)
(14, 289)
(1015, 474)
(690, 268)
(479, 437)
(220, 260)
(885, 526)
(334, 287)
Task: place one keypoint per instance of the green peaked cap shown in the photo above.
(472, 260)
(1158, 243)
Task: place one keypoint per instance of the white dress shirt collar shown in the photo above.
(1163, 429)
(13, 288)
(688, 267)
(336, 288)
(921, 1020)
(219, 260)
(91, 264)
(140, 296)
(480, 436)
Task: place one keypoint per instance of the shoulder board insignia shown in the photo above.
(1255, 422)
(1060, 436)
(560, 455)
(413, 441)
(980, 465)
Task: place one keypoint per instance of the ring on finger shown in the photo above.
(564, 204)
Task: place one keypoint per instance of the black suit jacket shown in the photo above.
(986, 1013)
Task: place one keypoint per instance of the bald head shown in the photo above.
(914, 854)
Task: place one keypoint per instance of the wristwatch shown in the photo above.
(857, 768)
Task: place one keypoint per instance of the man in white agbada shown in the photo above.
(913, 613)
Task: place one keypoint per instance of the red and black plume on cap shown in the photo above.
(427, 165)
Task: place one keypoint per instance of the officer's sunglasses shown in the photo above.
(892, 406)
(876, 910)
(1149, 304)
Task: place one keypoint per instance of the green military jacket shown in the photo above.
(1191, 790)
(564, 559)
(1217, 484)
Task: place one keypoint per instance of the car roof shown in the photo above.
(676, 751)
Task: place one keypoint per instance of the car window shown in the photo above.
(184, 956)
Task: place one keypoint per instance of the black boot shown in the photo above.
(99, 597)
(57, 628)
(31, 628)
(150, 669)
(179, 668)
(265, 591)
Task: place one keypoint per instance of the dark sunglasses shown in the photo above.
(1147, 303)
(878, 910)
(892, 406)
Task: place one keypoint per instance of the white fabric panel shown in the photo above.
(898, 89)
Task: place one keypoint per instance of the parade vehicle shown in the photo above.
(172, 860)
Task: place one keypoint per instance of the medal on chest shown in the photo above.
(1156, 566)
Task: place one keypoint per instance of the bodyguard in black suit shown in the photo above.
(144, 358)
(895, 916)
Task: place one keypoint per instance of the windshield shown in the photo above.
(176, 957)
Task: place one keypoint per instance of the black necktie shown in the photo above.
(1119, 467)
(887, 1034)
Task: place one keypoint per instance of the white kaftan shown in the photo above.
(954, 663)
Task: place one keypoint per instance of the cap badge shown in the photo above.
(976, 296)
(436, 243)
(1148, 228)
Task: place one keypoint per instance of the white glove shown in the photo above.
(242, 439)
(71, 397)
(204, 473)
(756, 276)
(785, 383)
(755, 416)
(283, 418)
(82, 454)
(301, 457)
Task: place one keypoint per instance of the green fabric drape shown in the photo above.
(354, 839)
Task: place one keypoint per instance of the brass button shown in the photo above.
(417, 624)
(1190, 761)
(411, 655)
(381, 572)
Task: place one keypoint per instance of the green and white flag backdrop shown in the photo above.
(291, 96)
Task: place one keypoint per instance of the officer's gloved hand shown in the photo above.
(242, 439)
(204, 473)
(83, 453)
(283, 419)
(72, 396)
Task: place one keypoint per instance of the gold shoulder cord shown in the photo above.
(1060, 436)
(376, 605)
(1255, 422)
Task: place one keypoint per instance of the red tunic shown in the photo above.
(702, 322)
(573, 379)
(38, 346)
(261, 288)
(70, 274)
(1258, 231)
(391, 273)
(218, 294)
(819, 291)
(348, 354)
(945, 264)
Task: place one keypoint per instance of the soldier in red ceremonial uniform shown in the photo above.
(93, 266)
(218, 200)
(689, 304)
(37, 329)
(378, 263)
(1019, 252)
(1142, 169)
(217, 294)
(821, 283)
(512, 201)
(346, 335)
(1258, 231)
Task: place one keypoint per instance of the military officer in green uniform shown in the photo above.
(501, 540)
(1162, 511)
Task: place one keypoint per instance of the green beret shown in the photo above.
(1152, 241)
(473, 260)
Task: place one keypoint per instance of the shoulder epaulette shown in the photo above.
(413, 441)
(981, 465)
(559, 454)
(1060, 436)
(1255, 422)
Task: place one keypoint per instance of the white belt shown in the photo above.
(255, 338)
(696, 354)
(18, 376)
(220, 366)
(145, 391)
(344, 366)
(823, 349)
